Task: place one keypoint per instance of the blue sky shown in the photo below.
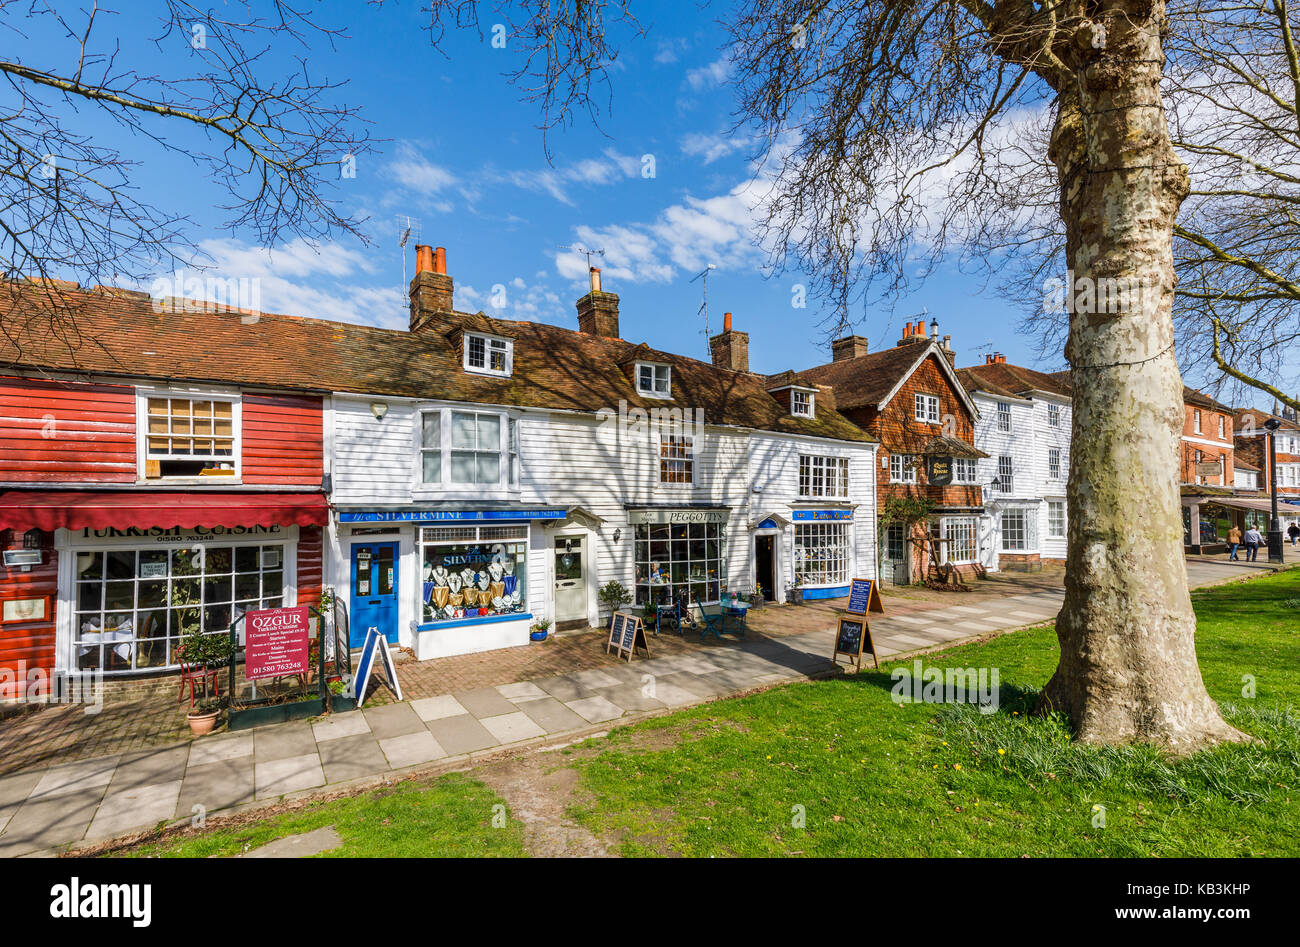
(464, 158)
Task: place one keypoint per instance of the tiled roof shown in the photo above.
(1257, 420)
(1201, 399)
(866, 380)
(945, 446)
(1004, 378)
(118, 333)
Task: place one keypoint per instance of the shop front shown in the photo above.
(134, 574)
(446, 582)
(679, 553)
(823, 551)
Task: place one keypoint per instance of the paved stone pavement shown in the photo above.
(51, 807)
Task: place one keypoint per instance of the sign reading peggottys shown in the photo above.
(671, 517)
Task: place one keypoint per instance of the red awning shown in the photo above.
(76, 509)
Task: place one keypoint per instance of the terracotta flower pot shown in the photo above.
(202, 723)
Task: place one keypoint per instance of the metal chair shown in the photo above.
(193, 674)
(711, 619)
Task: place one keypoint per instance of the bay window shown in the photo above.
(1018, 530)
(472, 571)
(475, 448)
(679, 559)
(962, 537)
(823, 476)
(821, 553)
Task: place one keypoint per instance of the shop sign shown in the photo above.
(674, 517)
(1208, 470)
(275, 642)
(938, 471)
(804, 516)
(174, 534)
(441, 516)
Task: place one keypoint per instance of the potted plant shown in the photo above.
(794, 594)
(540, 629)
(203, 716)
(614, 595)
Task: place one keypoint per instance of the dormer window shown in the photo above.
(654, 380)
(488, 355)
(801, 403)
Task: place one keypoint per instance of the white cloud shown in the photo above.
(611, 168)
(415, 171)
(712, 147)
(714, 74)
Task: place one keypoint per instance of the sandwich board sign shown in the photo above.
(626, 634)
(853, 633)
(374, 648)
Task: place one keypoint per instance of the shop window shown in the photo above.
(676, 460)
(821, 553)
(473, 572)
(134, 606)
(189, 437)
(962, 537)
(654, 381)
(488, 355)
(677, 560)
(823, 476)
(1017, 526)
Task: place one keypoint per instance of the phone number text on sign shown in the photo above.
(275, 642)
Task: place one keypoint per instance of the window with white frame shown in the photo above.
(821, 553)
(468, 448)
(1006, 475)
(1054, 463)
(1054, 415)
(472, 570)
(1196, 420)
(963, 539)
(681, 560)
(676, 460)
(902, 468)
(653, 380)
(1056, 519)
(927, 408)
(823, 476)
(964, 470)
(190, 437)
(487, 354)
(801, 403)
(1016, 530)
(1004, 417)
(1222, 428)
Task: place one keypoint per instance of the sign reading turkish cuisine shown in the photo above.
(276, 642)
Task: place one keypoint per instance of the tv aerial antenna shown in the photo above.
(407, 228)
(704, 304)
(585, 252)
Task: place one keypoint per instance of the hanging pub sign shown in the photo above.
(275, 642)
(938, 471)
(626, 634)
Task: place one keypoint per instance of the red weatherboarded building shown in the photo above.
(148, 487)
(910, 398)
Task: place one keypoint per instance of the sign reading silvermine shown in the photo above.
(671, 517)
(938, 471)
(438, 516)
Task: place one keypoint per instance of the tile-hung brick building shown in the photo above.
(163, 475)
(1024, 429)
(910, 399)
(488, 472)
(1251, 459)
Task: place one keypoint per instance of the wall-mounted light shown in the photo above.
(32, 539)
(618, 534)
(378, 409)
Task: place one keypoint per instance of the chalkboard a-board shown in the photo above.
(864, 596)
(853, 637)
(626, 634)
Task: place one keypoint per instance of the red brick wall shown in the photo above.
(1209, 432)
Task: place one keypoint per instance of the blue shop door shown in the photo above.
(374, 591)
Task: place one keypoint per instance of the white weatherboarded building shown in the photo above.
(490, 473)
(1024, 427)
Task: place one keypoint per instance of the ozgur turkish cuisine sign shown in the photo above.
(275, 642)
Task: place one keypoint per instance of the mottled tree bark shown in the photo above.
(1128, 669)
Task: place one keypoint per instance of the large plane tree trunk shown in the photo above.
(1128, 668)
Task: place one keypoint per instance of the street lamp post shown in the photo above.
(1274, 524)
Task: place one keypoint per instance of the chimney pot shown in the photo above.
(595, 279)
(423, 259)
(920, 328)
(726, 322)
(431, 289)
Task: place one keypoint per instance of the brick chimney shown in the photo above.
(730, 349)
(850, 346)
(431, 287)
(598, 310)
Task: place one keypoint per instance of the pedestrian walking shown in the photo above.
(1253, 541)
(1234, 540)
(1294, 532)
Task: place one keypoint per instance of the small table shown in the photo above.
(737, 609)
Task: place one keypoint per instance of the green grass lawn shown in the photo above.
(450, 816)
(871, 776)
